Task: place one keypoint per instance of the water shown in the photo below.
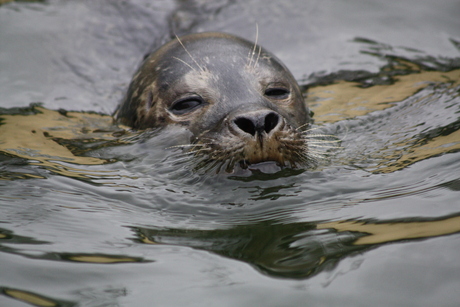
(92, 214)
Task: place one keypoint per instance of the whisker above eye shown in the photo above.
(185, 63)
(189, 54)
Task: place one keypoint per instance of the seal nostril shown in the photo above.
(258, 122)
(246, 125)
(271, 120)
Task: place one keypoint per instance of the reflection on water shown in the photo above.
(42, 137)
(387, 232)
(109, 217)
(34, 299)
(344, 100)
(100, 258)
(411, 141)
(299, 250)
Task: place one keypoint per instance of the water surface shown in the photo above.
(94, 214)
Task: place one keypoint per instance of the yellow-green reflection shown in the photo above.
(31, 298)
(101, 259)
(378, 233)
(439, 145)
(345, 100)
(39, 139)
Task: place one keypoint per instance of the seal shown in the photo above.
(239, 102)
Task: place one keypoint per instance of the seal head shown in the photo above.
(240, 103)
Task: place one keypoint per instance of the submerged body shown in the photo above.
(239, 102)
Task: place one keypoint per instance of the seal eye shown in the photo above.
(186, 105)
(277, 93)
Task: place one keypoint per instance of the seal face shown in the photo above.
(240, 103)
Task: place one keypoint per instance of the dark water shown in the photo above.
(92, 214)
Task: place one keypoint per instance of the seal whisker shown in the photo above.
(191, 67)
(314, 140)
(306, 125)
(252, 52)
(315, 135)
(220, 160)
(321, 138)
(323, 143)
(319, 143)
(189, 145)
(327, 147)
(191, 153)
(230, 165)
(260, 47)
(206, 165)
(313, 151)
(195, 152)
(314, 159)
(181, 159)
(258, 57)
(316, 153)
(193, 59)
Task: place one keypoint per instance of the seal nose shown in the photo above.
(257, 122)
